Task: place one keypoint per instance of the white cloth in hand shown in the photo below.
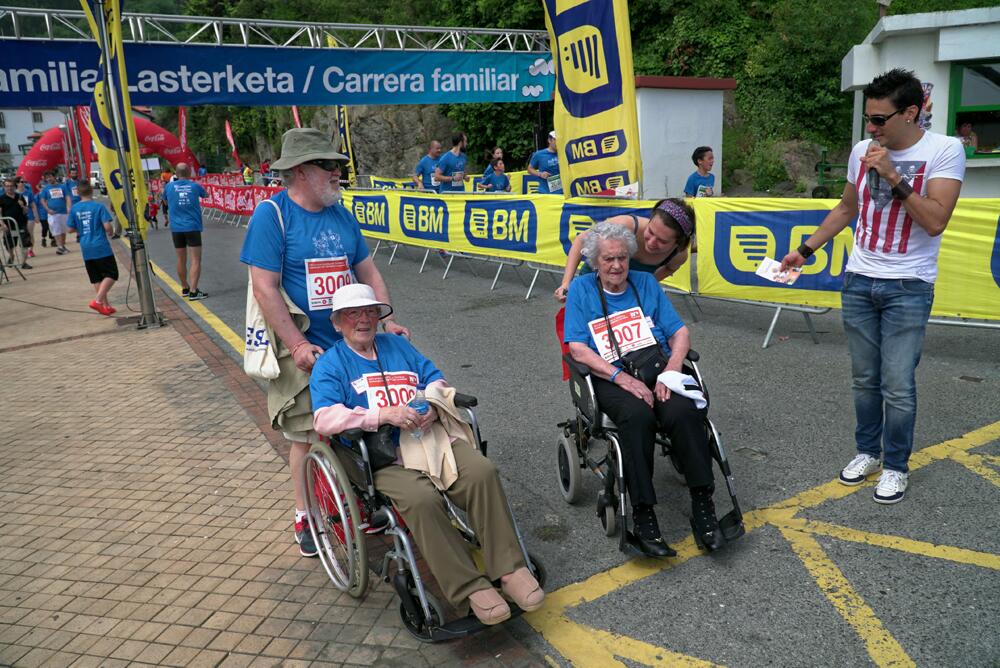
(684, 385)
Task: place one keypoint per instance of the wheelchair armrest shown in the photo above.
(693, 355)
(465, 400)
(353, 435)
(581, 369)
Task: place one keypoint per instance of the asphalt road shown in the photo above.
(786, 418)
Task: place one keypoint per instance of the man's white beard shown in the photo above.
(324, 190)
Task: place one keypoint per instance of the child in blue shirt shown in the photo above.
(496, 181)
(93, 225)
(701, 183)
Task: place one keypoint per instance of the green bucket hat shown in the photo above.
(300, 145)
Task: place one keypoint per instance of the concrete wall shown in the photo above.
(19, 125)
(672, 124)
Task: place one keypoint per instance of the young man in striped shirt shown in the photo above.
(903, 184)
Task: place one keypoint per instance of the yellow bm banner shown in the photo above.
(533, 228)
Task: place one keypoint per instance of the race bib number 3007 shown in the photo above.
(397, 388)
(324, 277)
(631, 329)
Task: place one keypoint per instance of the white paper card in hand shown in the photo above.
(771, 270)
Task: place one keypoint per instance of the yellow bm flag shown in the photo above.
(99, 119)
(595, 116)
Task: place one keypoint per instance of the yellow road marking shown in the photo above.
(212, 320)
(979, 465)
(576, 642)
(919, 547)
(882, 647)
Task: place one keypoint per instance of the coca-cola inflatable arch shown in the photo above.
(47, 153)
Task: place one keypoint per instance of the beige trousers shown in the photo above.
(479, 493)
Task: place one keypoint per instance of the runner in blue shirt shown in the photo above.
(423, 175)
(701, 183)
(71, 186)
(56, 201)
(450, 170)
(497, 181)
(545, 165)
(93, 224)
(183, 198)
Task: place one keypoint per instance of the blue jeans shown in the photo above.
(885, 320)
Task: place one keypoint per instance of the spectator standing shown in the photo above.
(450, 170)
(298, 259)
(202, 171)
(15, 207)
(265, 168)
(23, 188)
(423, 174)
(497, 181)
(903, 190)
(184, 199)
(43, 216)
(701, 183)
(56, 201)
(247, 175)
(93, 224)
(545, 165)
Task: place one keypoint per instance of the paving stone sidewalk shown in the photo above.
(145, 514)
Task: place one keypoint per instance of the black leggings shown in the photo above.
(637, 427)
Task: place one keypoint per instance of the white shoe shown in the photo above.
(891, 487)
(860, 468)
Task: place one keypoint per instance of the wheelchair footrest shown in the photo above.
(732, 525)
(465, 626)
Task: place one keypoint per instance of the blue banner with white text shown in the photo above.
(62, 73)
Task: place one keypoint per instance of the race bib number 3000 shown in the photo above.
(631, 329)
(397, 388)
(324, 277)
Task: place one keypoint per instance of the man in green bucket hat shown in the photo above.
(301, 246)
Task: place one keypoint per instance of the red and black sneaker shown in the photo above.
(303, 536)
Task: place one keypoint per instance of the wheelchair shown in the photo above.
(344, 510)
(590, 441)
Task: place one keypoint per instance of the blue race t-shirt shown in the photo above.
(88, 219)
(330, 240)
(449, 164)
(341, 376)
(496, 183)
(37, 199)
(546, 161)
(583, 305)
(70, 188)
(183, 197)
(425, 172)
(697, 185)
(55, 196)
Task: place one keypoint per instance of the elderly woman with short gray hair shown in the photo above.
(641, 317)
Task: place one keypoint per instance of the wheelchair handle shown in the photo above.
(465, 400)
(353, 435)
(693, 355)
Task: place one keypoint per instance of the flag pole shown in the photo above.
(150, 317)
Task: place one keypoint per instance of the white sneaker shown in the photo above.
(891, 487)
(860, 468)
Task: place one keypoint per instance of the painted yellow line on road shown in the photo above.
(978, 465)
(882, 647)
(918, 547)
(212, 320)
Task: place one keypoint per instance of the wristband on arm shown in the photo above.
(902, 190)
(614, 375)
(298, 345)
(805, 251)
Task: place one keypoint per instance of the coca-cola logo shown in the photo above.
(50, 147)
(157, 138)
(172, 151)
(35, 163)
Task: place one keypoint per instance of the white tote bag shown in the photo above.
(259, 358)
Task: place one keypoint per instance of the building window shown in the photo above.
(36, 117)
(975, 107)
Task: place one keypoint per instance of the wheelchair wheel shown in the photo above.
(568, 468)
(418, 625)
(335, 521)
(609, 520)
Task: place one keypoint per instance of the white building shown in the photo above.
(676, 116)
(957, 57)
(16, 129)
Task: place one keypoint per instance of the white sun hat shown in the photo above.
(357, 295)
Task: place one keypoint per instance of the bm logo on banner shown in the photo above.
(577, 218)
(421, 218)
(510, 225)
(372, 213)
(744, 238)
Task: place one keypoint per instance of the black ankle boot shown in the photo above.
(647, 533)
(704, 524)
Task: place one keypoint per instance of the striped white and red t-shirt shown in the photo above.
(888, 243)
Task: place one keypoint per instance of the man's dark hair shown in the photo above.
(84, 188)
(494, 161)
(457, 138)
(899, 86)
(699, 153)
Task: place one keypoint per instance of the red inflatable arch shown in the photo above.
(47, 153)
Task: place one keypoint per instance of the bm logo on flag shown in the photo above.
(421, 218)
(589, 77)
(596, 147)
(577, 218)
(371, 212)
(595, 183)
(509, 225)
(744, 238)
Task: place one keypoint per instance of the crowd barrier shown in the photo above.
(534, 232)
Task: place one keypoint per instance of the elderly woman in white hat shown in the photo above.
(364, 381)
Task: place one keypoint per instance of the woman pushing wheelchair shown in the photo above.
(637, 376)
(365, 381)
